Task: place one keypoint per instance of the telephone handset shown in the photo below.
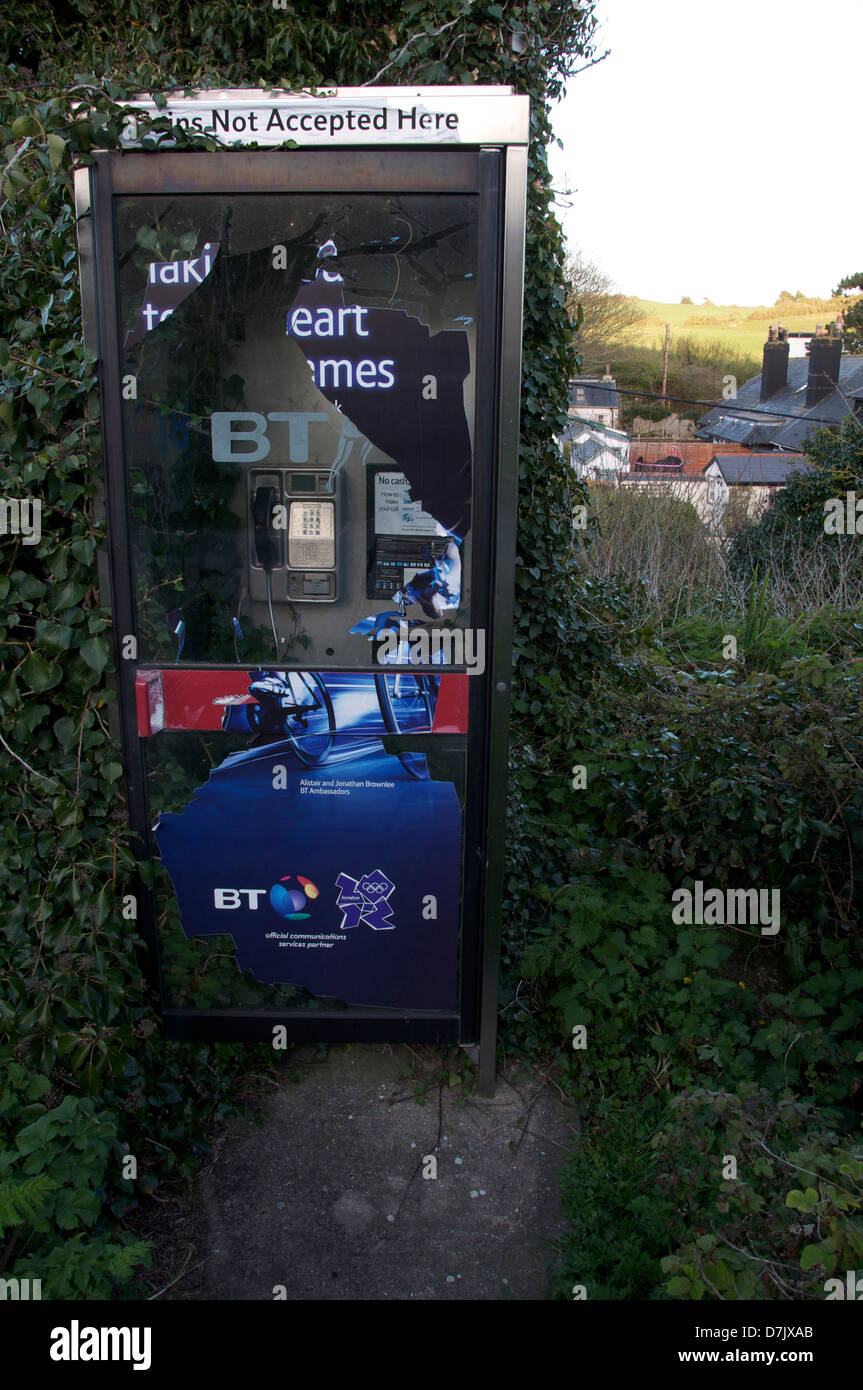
(294, 526)
(267, 546)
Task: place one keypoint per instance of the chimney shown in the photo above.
(774, 367)
(825, 356)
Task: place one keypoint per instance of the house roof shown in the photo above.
(695, 453)
(763, 469)
(592, 393)
(760, 425)
(590, 442)
(576, 429)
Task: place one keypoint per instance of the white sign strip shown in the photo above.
(349, 116)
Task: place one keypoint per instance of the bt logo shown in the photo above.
(286, 900)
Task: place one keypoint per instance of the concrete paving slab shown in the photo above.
(328, 1199)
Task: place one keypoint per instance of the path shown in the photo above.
(328, 1200)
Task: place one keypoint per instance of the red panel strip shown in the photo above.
(177, 700)
(450, 716)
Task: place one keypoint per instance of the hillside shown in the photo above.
(741, 327)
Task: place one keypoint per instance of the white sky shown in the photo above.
(717, 151)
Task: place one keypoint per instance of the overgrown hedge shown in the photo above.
(77, 1033)
(701, 1042)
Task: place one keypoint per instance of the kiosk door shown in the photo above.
(301, 374)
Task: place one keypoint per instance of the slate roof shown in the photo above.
(761, 469)
(760, 426)
(597, 394)
(596, 443)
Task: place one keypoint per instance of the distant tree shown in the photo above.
(850, 288)
(686, 299)
(792, 526)
(608, 317)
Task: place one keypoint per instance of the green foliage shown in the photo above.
(696, 368)
(620, 1224)
(790, 535)
(22, 1201)
(74, 1010)
(658, 1211)
(733, 774)
(54, 1179)
(646, 990)
(750, 1241)
(852, 335)
(91, 1268)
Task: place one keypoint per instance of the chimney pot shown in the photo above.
(774, 366)
(825, 358)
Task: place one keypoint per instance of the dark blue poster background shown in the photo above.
(343, 879)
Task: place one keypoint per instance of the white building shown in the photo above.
(595, 399)
(596, 454)
(746, 481)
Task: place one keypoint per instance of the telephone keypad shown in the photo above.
(311, 535)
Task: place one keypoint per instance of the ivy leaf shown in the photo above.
(68, 595)
(53, 636)
(56, 150)
(96, 653)
(23, 126)
(148, 238)
(65, 810)
(84, 549)
(38, 673)
(66, 733)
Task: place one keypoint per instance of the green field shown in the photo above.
(737, 326)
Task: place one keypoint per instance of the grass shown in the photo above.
(728, 325)
(651, 534)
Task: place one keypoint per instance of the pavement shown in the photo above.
(335, 1196)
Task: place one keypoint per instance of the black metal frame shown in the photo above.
(497, 175)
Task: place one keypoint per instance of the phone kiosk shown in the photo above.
(310, 373)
